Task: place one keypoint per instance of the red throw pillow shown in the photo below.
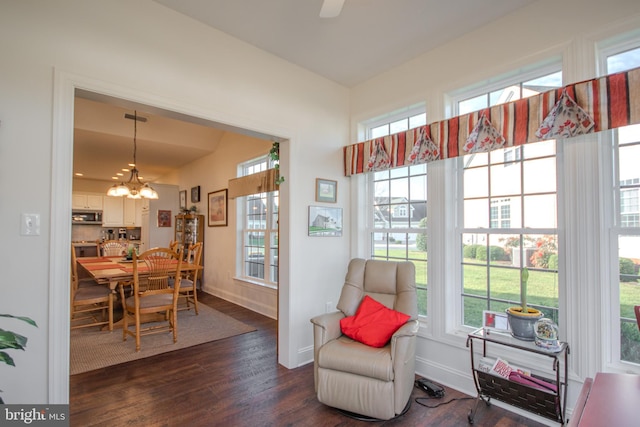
(373, 324)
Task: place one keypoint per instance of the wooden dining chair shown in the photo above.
(113, 248)
(152, 294)
(91, 303)
(189, 281)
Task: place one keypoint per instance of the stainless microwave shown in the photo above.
(86, 217)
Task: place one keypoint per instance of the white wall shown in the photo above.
(146, 53)
(167, 200)
(212, 173)
(566, 28)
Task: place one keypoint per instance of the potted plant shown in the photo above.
(274, 154)
(523, 318)
(11, 340)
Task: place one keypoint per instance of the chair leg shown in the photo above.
(111, 312)
(174, 324)
(137, 331)
(195, 299)
(125, 322)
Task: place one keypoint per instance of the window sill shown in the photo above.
(255, 282)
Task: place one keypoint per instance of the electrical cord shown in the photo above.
(419, 400)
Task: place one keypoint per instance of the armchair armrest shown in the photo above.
(326, 327)
(403, 340)
(409, 329)
(403, 358)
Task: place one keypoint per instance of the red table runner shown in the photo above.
(101, 266)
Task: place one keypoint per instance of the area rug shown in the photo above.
(94, 349)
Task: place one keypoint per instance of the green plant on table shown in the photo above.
(524, 276)
(11, 340)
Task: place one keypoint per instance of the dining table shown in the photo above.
(112, 271)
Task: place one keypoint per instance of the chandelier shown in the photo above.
(134, 188)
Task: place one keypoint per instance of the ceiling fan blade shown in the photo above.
(331, 8)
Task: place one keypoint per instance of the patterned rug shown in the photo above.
(94, 349)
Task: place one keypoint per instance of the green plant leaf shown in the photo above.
(24, 319)
(4, 357)
(10, 339)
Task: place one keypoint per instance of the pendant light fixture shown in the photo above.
(134, 188)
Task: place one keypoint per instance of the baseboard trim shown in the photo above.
(252, 305)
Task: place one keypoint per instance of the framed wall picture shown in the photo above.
(183, 200)
(325, 222)
(495, 320)
(195, 194)
(217, 208)
(326, 190)
(164, 218)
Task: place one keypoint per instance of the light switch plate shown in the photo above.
(30, 225)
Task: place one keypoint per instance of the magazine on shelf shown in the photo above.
(501, 368)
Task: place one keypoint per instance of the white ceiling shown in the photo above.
(103, 138)
(103, 141)
(367, 38)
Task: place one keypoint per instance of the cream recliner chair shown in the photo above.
(349, 375)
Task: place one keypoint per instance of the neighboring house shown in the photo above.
(398, 212)
(399, 209)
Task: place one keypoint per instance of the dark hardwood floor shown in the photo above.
(237, 382)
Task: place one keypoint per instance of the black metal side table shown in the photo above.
(546, 403)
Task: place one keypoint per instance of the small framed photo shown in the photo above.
(164, 218)
(183, 200)
(217, 208)
(195, 194)
(326, 190)
(324, 221)
(495, 320)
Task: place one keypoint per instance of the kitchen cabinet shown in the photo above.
(121, 212)
(132, 212)
(113, 212)
(87, 201)
(144, 231)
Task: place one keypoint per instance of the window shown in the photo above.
(509, 215)
(510, 92)
(259, 230)
(398, 200)
(625, 227)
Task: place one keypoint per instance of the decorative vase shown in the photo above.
(522, 324)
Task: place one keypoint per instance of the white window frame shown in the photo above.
(454, 320)
(517, 76)
(611, 205)
(271, 277)
(402, 114)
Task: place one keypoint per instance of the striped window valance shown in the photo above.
(590, 106)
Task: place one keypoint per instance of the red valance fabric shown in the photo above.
(609, 102)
